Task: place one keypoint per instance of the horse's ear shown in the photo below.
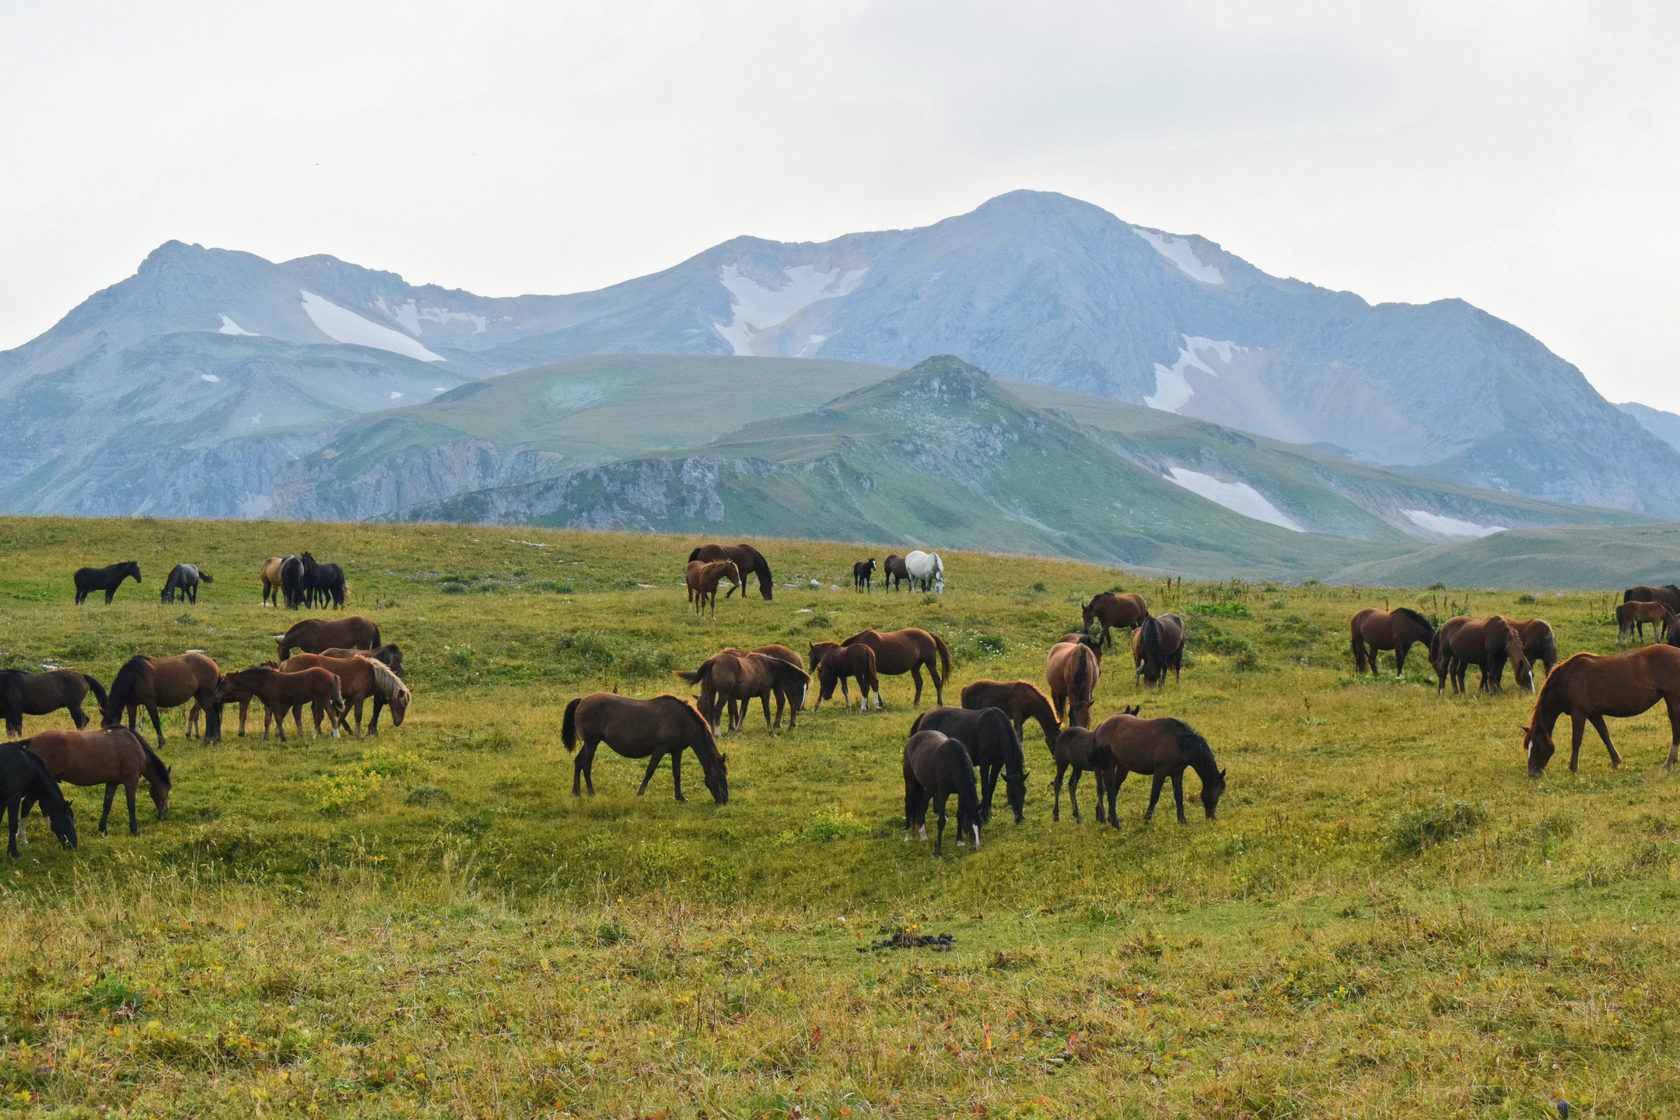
(1222, 775)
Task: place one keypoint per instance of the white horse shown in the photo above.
(926, 569)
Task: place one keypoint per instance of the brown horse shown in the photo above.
(1538, 641)
(1071, 670)
(650, 729)
(114, 756)
(279, 691)
(1077, 750)
(1021, 699)
(360, 679)
(1589, 686)
(271, 580)
(894, 571)
(834, 664)
(935, 767)
(1080, 638)
(1161, 748)
(1631, 617)
(213, 726)
(907, 651)
(746, 559)
(1668, 595)
(1397, 630)
(1158, 645)
(1113, 610)
(702, 578)
(1487, 643)
(737, 675)
(390, 656)
(780, 653)
(161, 682)
(36, 694)
(312, 635)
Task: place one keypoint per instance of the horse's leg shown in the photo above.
(157, 724)
(1577, 725)
(988, 782)
(764, 699)
(1113, 786)
(1400, 652)
(939, 837)
(110, 593)
(653, 764)
(110, 797)
(580, 768)
(129, 789)
(1178, 793)
(676, 768)
(911, 789)
(244, 710)
(1673, 733)
(916, 675)
(1604, 733)
(1073, 796)
(12, 827)
(1154, 796)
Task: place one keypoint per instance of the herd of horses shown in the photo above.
(295, 581)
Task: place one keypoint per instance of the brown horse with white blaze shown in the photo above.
(1589, 686)
(650, 729)
(1071, 670)
(1398, 630)
(112, 757)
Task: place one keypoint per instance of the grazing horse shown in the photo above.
(360, 679)
(935, 767)
(1397, 630)
(24, 775)
(1021, 699)
(907, 651)
(291, 582)
(895, 571)
(650, 729)
(702, 579)
(1158, 645)
(280, 691)
(1631, 617)
(183, 580)
(1072, 670)
(1113, 610)
(1538, 642)
(312, 635)
(862, 572)
(271, 583)
(106, 579)
(36, 694)
(390, 656)
(737, 675)
(1487, 643)
(1161, 748)
(1077, 750)
(1590, 686)
(925, 568)
(161, 682)
(993, 748)
(746, 558)
(1668, 595)
(112, 757)
(835, 664)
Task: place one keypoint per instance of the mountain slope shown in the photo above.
(1536, 560)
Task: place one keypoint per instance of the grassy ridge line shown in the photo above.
(1388, 919)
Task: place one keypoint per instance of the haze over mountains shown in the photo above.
(216, 383)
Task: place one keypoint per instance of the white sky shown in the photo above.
(1523, 156)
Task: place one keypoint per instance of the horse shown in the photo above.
(895, 571)
(106, 579)
(213, 720)
(1071, 670)
(1080, 638)
(1589, 686)
(1077, 749)
(1113, 610)
(322, 583)
(162, 682)
(390, 656)
(1161, 748)
(650, 729)
(907, 651)
(926, 569)
(1398, 630)
(36, 694)
(834, 664)
(1487, 643)
(271, 584)
(183, 580)
(360, 679)
(291, 582)
(993, 748)
(1021, 699)
(1538, 642)
(780, 653)
(702, 579)
(279, 691)
(746, 558)
(935, 767)
(737, 675)
(862, 572)
(312, 635)
(1632, 615)
(1668, 595)
(24, 775)
(1158, 645)
(113, 756)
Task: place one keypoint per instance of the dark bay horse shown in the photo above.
(862, 572)
(1113, 610)
(738, 675)
(106, 579)
(1071, 670)
(1631, 617)
(312, 635)
(1158, 645)
(1161, 748)
(360, 679)
(112, 757)
(650, 729)
(1398, 630)
(1538, 642)
(746, 558)
(907, 651)
(281, 691)
(183, 581)
(702, 578)
(895, 572)
(160, 682)
(1489, 643)
(1589, 686)
(1021, 699)
(780, 653)
(834, 664)
(36, 694)
(389, 655)
(322, 583)
(935, 767)
(24, 775)
(1077, 749)
(993, 748)
(1668, 595)
(292, 588)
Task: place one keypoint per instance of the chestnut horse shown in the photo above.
(312, 635)
(112, 757)
(834, 663)
(650, 729)
(161, 682)
(36, 694)
(1488, 643)
(1071, 670)
(1397, 630)
(737, 675)
(935, 767)
(1161, 748)
(746, 559)
(1631, 617)
(907, 651)
(1590, 686)
(279, 691)
(702, 578)
(360, 679)
(1113, 610)
(1158, 645)
(1021, 699)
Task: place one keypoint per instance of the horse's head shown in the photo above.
(1211, 793)
(159, 784)
(717, 779)
(1016, 787)
(133, 568)
(1087, 612)
(1537, 741)
(64, 825)
(399, 702)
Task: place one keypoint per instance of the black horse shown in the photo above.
(322, 583)
(183, 581)
(24, 775)
(992, 746)
(861, 573)
(105, 579)
(291, 582)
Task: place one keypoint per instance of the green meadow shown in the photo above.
(1387, 919)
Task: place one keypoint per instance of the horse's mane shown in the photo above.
(858, 635)
(1417, 618)
(123, 684)
(760, 566)
(47, 791)
(1192, 743)
(1149, 641)
(385, 681)
(152, 756)
(699, 721)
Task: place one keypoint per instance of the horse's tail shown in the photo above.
(761, 568)
(1627, 596)
(698, 675)
(123, 686)
(568, 726)
(1149, 644)
(1081, 677)
(98, 691)
(337, 692)
(944, 656)
(917, 726)
(1358, 646)
(376, 642)
(693, 556)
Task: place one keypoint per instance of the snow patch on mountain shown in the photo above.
(230, 327)
(343, 325)
(1450, 526)
(210, 377)
(1182, 254)
(1172, 387)
(411, 314)
(759, 309)
(1238, 497)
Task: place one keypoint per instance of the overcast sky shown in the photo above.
(1523, 156)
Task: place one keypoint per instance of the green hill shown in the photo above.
(1536, 558)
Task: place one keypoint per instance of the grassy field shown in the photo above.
(1388, 919)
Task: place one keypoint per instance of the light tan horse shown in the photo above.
(702, 577)
(271, 580)
(1072, 670)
